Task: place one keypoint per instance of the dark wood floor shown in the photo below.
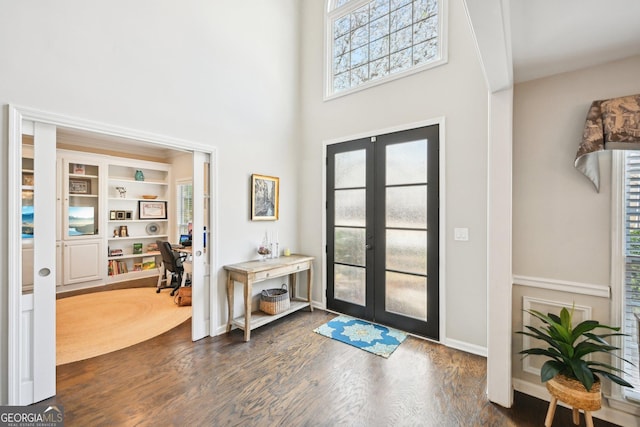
(285, 376)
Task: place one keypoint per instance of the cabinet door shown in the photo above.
(81, 215)
(83, 261)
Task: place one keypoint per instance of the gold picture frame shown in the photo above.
(265, 197)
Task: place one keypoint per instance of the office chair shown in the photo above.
(173, 275)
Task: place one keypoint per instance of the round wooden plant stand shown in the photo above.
(573, 393)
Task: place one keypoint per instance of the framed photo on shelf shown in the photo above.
(27, 179)
(120, 215)
(112, 215)
(152, 210)
(79, 186)
(265, 195)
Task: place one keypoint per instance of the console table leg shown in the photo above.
(229, 300)
(309, 281)
(247, 311)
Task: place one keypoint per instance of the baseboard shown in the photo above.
(466, 347)
(605, 413)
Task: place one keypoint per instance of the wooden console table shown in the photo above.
(248, 273)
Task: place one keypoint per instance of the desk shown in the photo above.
(248, 273)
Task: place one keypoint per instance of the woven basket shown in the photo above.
(573, 393)
(274, 301)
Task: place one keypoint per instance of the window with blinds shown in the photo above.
(185, 207)
(632, 268)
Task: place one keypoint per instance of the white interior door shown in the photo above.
(201, 247)
(36, 284)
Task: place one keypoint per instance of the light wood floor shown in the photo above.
(285, 376)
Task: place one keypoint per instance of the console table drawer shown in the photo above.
(281, 271)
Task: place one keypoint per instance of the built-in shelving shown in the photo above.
(124, 196)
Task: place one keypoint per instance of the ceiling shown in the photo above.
(82, 140)
(555, 36)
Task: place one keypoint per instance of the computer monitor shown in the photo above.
(185, 240)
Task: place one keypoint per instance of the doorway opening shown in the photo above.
(32, 313)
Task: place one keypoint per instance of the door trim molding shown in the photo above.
(19, 113)
(441, 122)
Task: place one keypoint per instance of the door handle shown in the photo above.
(44, 272)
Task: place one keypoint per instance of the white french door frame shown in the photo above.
(204, 317)
(442, 207)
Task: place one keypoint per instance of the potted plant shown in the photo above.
(567, 372)
(567, 351)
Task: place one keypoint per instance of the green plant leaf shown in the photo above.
(604, 365)
(616, 379)
(586, 326)
(587, 347)
(550, 369)
(554, 317)
(582, 373)
(567, 350)
(565, 319)
(540, 352)
(539, 335)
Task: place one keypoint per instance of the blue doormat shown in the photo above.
(375, 339)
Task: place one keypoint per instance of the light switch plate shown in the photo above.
(461, 234)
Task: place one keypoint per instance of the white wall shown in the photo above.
(561, 226)
(456, 91)
(220, 73)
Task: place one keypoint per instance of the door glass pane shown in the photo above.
(349, 284)
(406, 207)
(406, 295)
(27, 214)
(350, 169)
(407, 251)
(350, 208)
(407, 163)
(349, 246)
(82, 210)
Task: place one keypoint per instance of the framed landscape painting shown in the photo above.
(264, 197)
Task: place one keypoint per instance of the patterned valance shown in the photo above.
(612, 124)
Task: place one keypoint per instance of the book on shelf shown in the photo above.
(137, 248)
(148, 263)
(117, 267)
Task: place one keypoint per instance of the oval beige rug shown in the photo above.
(101, 322)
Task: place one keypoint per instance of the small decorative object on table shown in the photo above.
(264, 249)
(274, 301)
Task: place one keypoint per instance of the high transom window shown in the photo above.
(373, 41)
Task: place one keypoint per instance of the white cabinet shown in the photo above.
(138, 194)
(83, 261)
(79, 228)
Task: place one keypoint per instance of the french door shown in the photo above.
(382, 228)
